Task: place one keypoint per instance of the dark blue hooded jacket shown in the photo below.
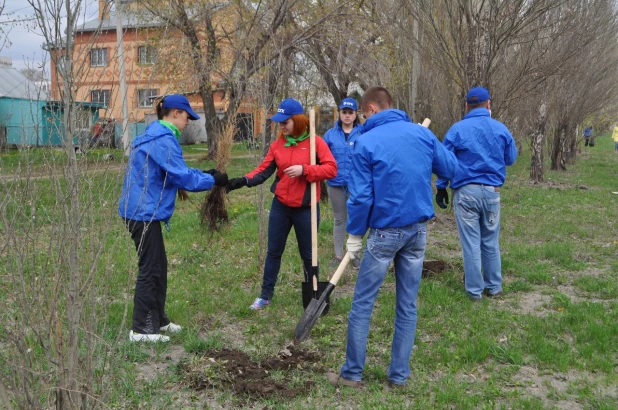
(342, 151)
(390, 180)
(155, 171)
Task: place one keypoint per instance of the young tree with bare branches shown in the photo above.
(55, 246)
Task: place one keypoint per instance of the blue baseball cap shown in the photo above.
(180, 102)
(477, 95)
(349, 103)
(287, 108)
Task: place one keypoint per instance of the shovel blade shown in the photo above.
(309, 294)
(307, 321)
(311, 315)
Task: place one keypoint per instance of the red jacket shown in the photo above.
(294, 192)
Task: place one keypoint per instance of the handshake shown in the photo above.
(222, 180)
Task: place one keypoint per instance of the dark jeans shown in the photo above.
(151, 283)
(280, 222)
(587, 139)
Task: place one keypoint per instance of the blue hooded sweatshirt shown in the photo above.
(484, 148)
(155, 171)
(390, 181)
(341, 149)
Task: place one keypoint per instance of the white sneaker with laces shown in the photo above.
(171, 327)
(138, 337)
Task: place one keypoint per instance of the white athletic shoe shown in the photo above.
(171, 327)
(138, 337)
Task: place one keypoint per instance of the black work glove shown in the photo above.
(220, 179)
(442, 198)
(212, 171)
(236, 183)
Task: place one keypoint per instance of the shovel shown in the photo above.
(317, 306)
(312, 290)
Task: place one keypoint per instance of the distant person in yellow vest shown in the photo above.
(615, 138)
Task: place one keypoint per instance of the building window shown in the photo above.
(98, 57)
(100, 96)
(146, 55)
(145, 97)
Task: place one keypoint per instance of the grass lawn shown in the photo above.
(549, 343)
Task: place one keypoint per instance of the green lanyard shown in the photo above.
(172, 127)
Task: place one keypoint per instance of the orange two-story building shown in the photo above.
(97, 73)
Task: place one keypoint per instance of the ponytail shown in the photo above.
(162, 112)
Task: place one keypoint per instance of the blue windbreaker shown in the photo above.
(390, 180)
(483, 146)
(342, 151)
(155, 171)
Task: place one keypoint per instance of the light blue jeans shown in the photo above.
(406, 246)
(477, 212)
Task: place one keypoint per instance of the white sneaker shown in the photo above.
(171, 327)
(138, 337)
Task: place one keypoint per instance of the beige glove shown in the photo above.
(355, 246)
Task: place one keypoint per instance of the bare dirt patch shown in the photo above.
(234, 370)
(578, 296)
(532, 303)
(549, 184)
(149, 371)
(555, 388)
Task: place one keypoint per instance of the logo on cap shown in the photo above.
(281, 110)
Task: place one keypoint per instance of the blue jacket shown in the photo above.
(587, 132)
(484, 148)
(155, 171)
(390, 181)
(342, 151)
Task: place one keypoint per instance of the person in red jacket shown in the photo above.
(289, 157)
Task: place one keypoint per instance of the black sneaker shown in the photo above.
(492, 296)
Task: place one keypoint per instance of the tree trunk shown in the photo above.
(572, 145)
(478, 45)
(537, 144)
(558, 160)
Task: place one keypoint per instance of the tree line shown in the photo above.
(550, 66)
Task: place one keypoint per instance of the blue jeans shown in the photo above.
(406, 246)
(477, 211)
(280, 222)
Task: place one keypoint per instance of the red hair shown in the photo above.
(301, 124)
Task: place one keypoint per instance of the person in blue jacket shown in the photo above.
(587, 136)
(391, 196)
(155, 172)
(484, 148)
(340, 140)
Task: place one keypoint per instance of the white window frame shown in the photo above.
(144, 99)
(106, 96)
(146, 55)
(99, 57)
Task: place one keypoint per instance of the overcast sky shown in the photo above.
(26, 40)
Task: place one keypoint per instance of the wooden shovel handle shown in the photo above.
(314, 210)
(342, 265)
